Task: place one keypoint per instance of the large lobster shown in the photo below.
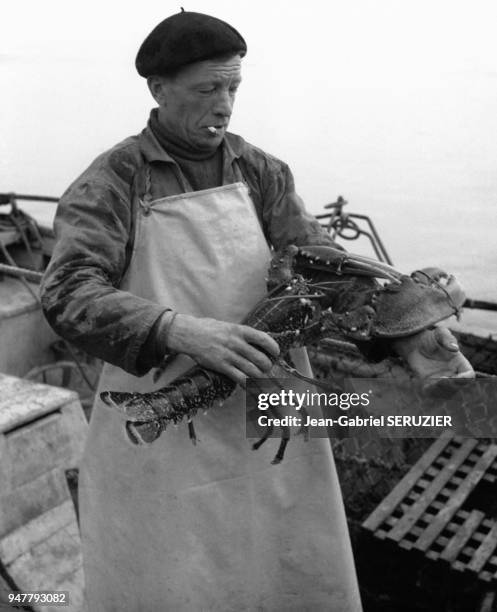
(314, 292)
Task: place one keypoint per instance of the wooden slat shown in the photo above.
(54, 564)
(56, 439)
(433, 469)
(425, 482)
(493, 561)
(22, 401)
(417, 510)
(442, 541)
(478, 537)
(484, 551)
(33, 533)
(437, 505)
(457, 498)
(32, 499)
(397, 494)
(488, 523)
(466, 468)
(462, 515)
(10, 387)
(38, 448)
(462, 535)
(44, 566)
(416, 531)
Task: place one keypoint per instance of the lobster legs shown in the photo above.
(308, 300)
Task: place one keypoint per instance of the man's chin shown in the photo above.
(210, 142)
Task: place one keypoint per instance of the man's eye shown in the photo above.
(207, 91)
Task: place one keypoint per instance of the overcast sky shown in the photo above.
(390, 103)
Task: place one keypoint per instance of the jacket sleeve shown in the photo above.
(79, 292)
(284, 213)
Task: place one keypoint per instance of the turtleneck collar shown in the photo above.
(174, 146)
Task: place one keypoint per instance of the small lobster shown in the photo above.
(314, 292)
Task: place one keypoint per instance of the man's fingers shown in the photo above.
(438, 343)
(247, 367)
(262, 340)
(236, 375)
(466, 374)
(446, 339)
(260, 360)
(464, 368)
(235, 350)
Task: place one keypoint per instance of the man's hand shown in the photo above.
(434, 353)
(237, 351)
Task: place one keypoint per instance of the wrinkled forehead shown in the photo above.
(226, 68)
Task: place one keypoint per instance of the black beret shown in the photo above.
(185, 38)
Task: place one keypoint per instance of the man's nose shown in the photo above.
(224, 104)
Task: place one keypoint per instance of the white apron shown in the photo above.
(212, 527)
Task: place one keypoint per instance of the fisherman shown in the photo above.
(163, 245)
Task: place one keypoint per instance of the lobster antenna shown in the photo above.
(313, 381)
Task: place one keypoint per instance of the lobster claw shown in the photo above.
(323, 257)
(403, 306)
(402, 309)
(426, 297)
(293, 260)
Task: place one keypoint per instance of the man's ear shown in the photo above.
(157, 87)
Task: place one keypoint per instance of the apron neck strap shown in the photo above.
(234, 170)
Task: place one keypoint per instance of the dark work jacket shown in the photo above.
(94, 229)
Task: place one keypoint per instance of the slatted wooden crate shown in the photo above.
(42, 433)
(445, 508)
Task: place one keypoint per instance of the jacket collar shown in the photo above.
(152, 151)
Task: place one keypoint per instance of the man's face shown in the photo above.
(199, 97)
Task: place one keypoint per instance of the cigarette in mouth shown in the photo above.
(212, 130)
